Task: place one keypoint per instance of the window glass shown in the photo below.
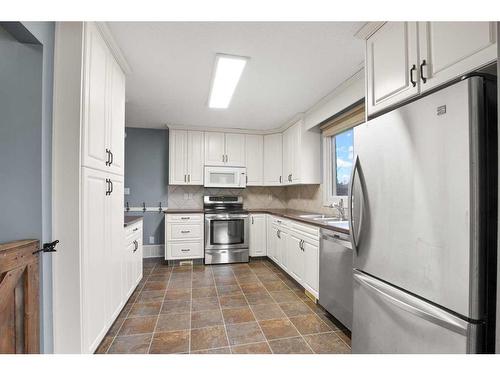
(342, 161)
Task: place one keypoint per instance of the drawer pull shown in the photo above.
(185, 231)
(185, 218)
(136, 245)
(135, 229)
(185, 250)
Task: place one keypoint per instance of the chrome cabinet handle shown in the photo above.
(185, 250)
(107, 186)
(189, 178)
(111, 184)
(424, 63)
(184, 217)
(135, 229)
(412, 70)
(112, 157)
(107, 161)
(278, 233)
(252, 219)
(280, 179)
(185, 231)
(136, 245)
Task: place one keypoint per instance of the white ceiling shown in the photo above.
(292, 66)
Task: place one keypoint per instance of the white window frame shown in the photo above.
(330, 199)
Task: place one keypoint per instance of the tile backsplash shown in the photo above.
(301, 197)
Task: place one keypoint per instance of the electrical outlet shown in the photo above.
(186, 196)
(126, 191)
(151, 239)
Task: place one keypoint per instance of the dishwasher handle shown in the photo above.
(338, 238)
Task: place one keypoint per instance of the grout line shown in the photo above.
(161, 307)
(250, 307)
(220, 307)
(309, 346)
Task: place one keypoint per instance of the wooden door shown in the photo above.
(195, 157)
(19, 298)
(235, 150)
(254, 159)
(178, 157)
(214, 148)
(391, 65)
(451, 49)
(273, 159)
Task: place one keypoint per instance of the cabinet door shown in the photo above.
(271, 235)
(235, 150)
(113, 249)
(195, 157)
(311, 266)
(273, 159)
(296, 257)
(258, 235)
(137, 262)
(288, 156)
(94, 256)
(214, 148)
(451, 49)
(296, 151)
(116, 108)
(178, 157)
(95, 91)
(283, 253)
(391, 65)
(254, 149)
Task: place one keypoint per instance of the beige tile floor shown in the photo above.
(239, 308)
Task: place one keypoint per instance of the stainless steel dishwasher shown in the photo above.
(335, 275)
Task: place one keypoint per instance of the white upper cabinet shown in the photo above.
(301, 155)
(273, 159)
(186, 157)
(235, 150)
(226, 149)
(215, 149)
(116, 128)
(449, 49)
(95, 115)
(178, 157)
(391, 65)
(404, 59)
(195, 157)
(254, 146)
(104, 111)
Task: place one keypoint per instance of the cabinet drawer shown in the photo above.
(186, 249)
(305, 230)
(280, 221)
(184, 231)
(184, 218)
(133, 230)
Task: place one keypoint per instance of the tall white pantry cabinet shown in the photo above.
(88, 155)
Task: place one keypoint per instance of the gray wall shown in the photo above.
(146, 175)
(26, 75)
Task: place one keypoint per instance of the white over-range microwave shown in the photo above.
(225, 177)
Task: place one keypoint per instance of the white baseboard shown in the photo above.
(153, 251)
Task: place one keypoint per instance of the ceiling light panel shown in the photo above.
(227, 73)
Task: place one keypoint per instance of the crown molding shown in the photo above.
(368, 29)
(113, 46)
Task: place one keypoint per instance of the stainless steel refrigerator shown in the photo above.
(423, 216)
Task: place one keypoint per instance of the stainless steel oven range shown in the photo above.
(226, 230)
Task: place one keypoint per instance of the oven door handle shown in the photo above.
(224, 217)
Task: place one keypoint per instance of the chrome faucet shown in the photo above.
(340, 208)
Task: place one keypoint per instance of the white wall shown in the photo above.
(344, 95)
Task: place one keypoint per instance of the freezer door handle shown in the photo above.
(355, 232)
(412, 304)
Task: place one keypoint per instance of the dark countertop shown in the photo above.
(184, 211)
(129, 220)
(295, 215)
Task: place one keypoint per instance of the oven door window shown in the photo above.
(227, 232)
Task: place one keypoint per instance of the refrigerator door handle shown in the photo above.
(355, 232)
(413, 305)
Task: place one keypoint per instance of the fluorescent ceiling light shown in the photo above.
(227, 73)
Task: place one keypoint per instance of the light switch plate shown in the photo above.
(151, 239)
(126, 191)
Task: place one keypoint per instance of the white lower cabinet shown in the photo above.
(132, 259)
(258, 242)
(184, 236)
(294, 246)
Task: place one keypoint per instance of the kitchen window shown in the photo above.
(338, 153)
